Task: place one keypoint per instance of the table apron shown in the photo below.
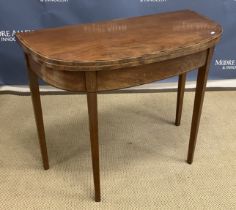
(120, 78)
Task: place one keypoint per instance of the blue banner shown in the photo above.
(28, 15)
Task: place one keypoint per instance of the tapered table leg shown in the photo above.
(180, 97)
(198, 102)
(35, 95)
(93, 126)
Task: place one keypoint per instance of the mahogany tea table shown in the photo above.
(118, 54)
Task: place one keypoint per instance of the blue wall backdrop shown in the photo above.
(27, 15)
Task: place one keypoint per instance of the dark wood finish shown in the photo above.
(147, 39)
(197, 110)
(180, 98)
(127, 77)
(122, 78)
(67, 80)
(151, 48)
(35, 95)
(93, 127)
(91, 81)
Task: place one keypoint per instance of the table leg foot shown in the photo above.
(198, 102)
(180, 97)
(93, 126)
(35, 96)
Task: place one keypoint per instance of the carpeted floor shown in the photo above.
(143, 155)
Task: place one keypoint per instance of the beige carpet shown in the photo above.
(142, 153)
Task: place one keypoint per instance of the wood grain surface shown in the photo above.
(136, 41)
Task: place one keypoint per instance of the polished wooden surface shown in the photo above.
(151, 48)
(133, 76)
(198, 102)
(35, 95)
(93, 127)
(147, 39)
(180, 98)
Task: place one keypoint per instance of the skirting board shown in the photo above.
(155, 86)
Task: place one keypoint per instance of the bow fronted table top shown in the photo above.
(123, 42)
